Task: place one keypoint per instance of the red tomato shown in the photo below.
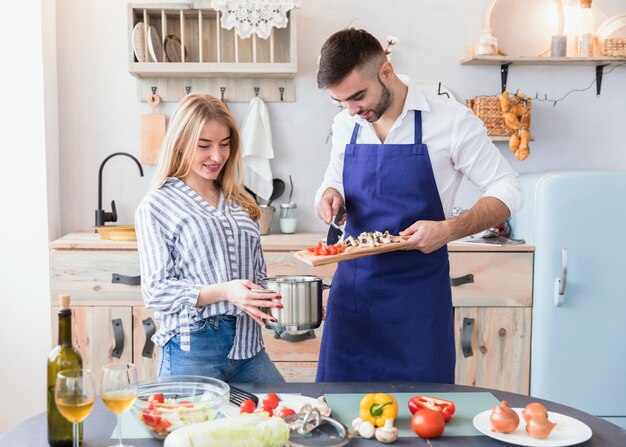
(332, 250)
(150, 417)
(247, 406)
(428, 423)
(267, 409)
(286, 412)
(271, 400)
(155, 399)
(311, 249)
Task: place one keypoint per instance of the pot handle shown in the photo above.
(283, 335)
(325, 286)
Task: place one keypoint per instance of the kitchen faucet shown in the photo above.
(102, 217)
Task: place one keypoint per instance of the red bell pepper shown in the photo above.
(445, 407)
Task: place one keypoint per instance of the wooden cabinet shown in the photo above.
(491, 294)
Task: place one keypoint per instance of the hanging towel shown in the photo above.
(257, 150)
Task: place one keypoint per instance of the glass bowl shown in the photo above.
(167, 403)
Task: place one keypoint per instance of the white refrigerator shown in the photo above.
(577, 222)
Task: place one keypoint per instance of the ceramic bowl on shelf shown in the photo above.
(167, 403)
(117, 232)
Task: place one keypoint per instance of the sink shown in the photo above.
(117, 232)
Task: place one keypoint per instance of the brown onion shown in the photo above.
(503, 418)
(534, 409)
(539, 427)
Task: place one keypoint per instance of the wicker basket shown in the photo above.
(614, 46)
(487, 108)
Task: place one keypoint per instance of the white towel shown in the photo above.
(257, 150)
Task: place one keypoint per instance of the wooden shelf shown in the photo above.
(524, 60)
(211, 70)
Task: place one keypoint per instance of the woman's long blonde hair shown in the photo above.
(181, 141)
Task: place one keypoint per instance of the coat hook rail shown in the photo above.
(282, 92)
(222, 91)
(256, 91)
(154, 90)
(188, 89)
(504, 74)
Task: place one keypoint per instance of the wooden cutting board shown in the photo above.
(356, 252)
(152, 132)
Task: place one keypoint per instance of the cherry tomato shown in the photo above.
(271, 400)
(267, 409)
(155, 399)
(247, 406)
(428, 423)
(286, 412)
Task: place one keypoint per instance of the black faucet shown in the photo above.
(102, 217)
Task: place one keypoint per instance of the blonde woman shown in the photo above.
(200, 251)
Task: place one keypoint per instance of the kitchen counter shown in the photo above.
(99, 426)
(271, 242)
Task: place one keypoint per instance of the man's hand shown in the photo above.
(329, 205)
(426, 235)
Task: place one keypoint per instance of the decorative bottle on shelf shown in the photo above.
(288, 217)
(63, 356)
(585, 37)
(487, 44)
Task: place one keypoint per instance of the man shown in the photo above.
(397, 160)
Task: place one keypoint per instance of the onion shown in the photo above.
(534, 409)
(503, 418)
(539, 427)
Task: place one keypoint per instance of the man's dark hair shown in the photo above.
(343, 52)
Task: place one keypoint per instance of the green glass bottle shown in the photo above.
(63, 356)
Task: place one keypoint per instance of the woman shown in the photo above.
(200, 251)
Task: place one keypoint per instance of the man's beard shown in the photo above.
(383, 104)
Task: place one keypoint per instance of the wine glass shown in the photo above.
(119, 391)
(74, 395)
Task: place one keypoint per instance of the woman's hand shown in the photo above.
(240, 293)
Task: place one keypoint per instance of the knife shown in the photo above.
(334, 231)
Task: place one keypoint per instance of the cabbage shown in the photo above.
(247, 430)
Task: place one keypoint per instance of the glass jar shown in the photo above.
(288, 217)
(487, 44)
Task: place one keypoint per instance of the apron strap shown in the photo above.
(355, 132)
(418, 126)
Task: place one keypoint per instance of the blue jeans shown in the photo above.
(211, 341)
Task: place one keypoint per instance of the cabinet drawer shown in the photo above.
(87, 275)
(499, 279)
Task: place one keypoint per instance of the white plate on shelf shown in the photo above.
(293, 401)
(568, 431)
(155, 47)
(139, 41)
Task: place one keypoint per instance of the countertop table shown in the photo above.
(100, 424)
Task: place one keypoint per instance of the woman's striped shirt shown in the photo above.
(185, 243)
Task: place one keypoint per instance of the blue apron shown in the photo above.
(389, 316)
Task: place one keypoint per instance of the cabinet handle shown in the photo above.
(467, 333)
(467, 279)
(128, 280)
(149, 329)
(118, 335)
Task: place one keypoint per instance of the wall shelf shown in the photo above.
(524, 60)
(207, 57)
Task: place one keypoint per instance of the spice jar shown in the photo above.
(288, 217)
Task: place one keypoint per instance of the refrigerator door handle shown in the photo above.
(561, 283)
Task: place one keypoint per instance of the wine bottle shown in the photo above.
(63, 356)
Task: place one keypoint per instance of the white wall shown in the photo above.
(99, 112)
(24, 277)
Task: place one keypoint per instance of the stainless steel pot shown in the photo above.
(301, 300)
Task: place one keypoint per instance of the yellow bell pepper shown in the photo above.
(377, 408)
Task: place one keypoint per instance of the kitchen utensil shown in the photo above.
(155, 47)
(335, 231)
(173, 48)
(354, 253)
(139, 42)
(301, 297)
(277, 191)
(265, 221)
(249, 191)
(237, 396)
(313, 429)
(568, 431)
(152, 132)
(290, 188)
